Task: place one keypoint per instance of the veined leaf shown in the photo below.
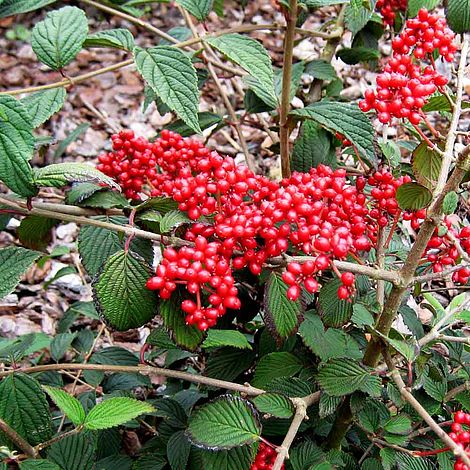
(35, 232)
(274, 404)
(120, 291)
(357, 14)
(321, 69)
(206, 120)
(226, 422)
(400, 424)
(59, 38)
(14, 261)
(334, 311)
(172, 220)
(426, 165)
(14, 7)
(42, 105)
(60, 174)
(232, 459)
(449, 205)
(16, 146)
(415, 5)
(38, 464)
(274, 365)
(171, 75)
(198, 8)
(118, 38)
(114, 412)
(413, 196)
(218, 338)
(73, 452)
(67, 403)
(178, 450)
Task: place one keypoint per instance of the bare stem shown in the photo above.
(27, 448)
(451, 394)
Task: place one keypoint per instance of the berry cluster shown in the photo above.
(404, 86)
(265, 458)
(389, 8)
(461, 435)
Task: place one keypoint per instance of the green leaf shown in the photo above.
(413, 196)
(248, 54)
(361, 316)
(274, 404)
(323, 3)
(72, 137)
(344, 376)
(232, 459)
(282, 315)
(400, 424)
(120, 291)
(181, 33)
(426, 165)
(73, 452)
(198, 8)
(437, 103)
(357, 15)
(60, 344)
(16, 146)
(334, 312)
(24, 407)
(449, 205)
(172, 76)
(206, 120)
(186, 336)
(275, 365)
(328, 405)
(330, 344)
(305, 455)
(347, 119)
(435, 389)
(115, 412)
(178, 450)
(39, 464)
(218, 338)
(81, 191)
(60, 174)
(14, 261)
(119, 38)
(312, 147)
(415, 5)
(35, 232)
(13, 7)
(321, 70)
(172, 220)
(226, 422)
(104, 199)
(355, 55)
(228, 363)
(42, 105)
(59, 37)
(67, 403)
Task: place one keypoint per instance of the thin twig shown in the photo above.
(451, 394)
(27, 448)
(380, 255)
(454, 339)
(438, 276)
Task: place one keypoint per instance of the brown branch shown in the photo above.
(451, 394)
(438, 276)
(284, 131)
(27, 448)
(58, 438)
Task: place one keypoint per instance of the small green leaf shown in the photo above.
(14, 7)
(218, 338)
(276, 364)
(67, 403)
(231, 459)
(35, 232)
(14, 261)
(16, 146)
(172, 76)
(357, 14)
(345, 118)
(321, 70)
(59, 38)
(42, 105)
(283, 316)
(39, 464)
(415, 5)
(104, 199)
(60, 174)
(358, 54)
(178, 450)
(274, 404)
(60, 344)
(305, 456)
(400, 424)
(227, 422)
(334, 311)
(450, 203)
(120, 291)
(115, 412)
(413, 196)
(426, 165)
(206, 120)
(435, 389)
(198, 8)
(323, 3)
(248, 54)
(118, 38)
(172, 220)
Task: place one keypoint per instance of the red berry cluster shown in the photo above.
(461, 436)
(389, 8)
(265, 458)
(441, 251)
(404, 86)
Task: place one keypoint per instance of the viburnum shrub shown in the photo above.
(220, 313)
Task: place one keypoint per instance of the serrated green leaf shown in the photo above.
(437, 103)
(413, 196)
(275, 365)
(415, 5)
(198, 8)
(59, 37)
(305, 455)
(228, 363)
(120, 291)
(347, 119)
(105, 199)
(115, 412)
(400, 424)
(231, 459)
(358, 54)
(227, 422)
(357, 15)
(426, 165)
(282, 316)
(60, 174)
(73, 452)
(328, 405)
(14, 7)
(373, 415)
(35, 231)
(119, 38)
(274, 404)
(24, 407)
(178, 450)
(181, 33)
(449, 205)
(344, 376)
(329, 344)
(321, 70)
(172, 76)
(435, 389)
(361, 316)
(334, 311)
(40, 464)
(81, 191)
(67, 403)
(14, 261)
(186, 336)
(172, 220)
(206, 120)
(16, 146)
(42, 105)
(248, 54)
(218, 338)
(312, 147)
(60, 344)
